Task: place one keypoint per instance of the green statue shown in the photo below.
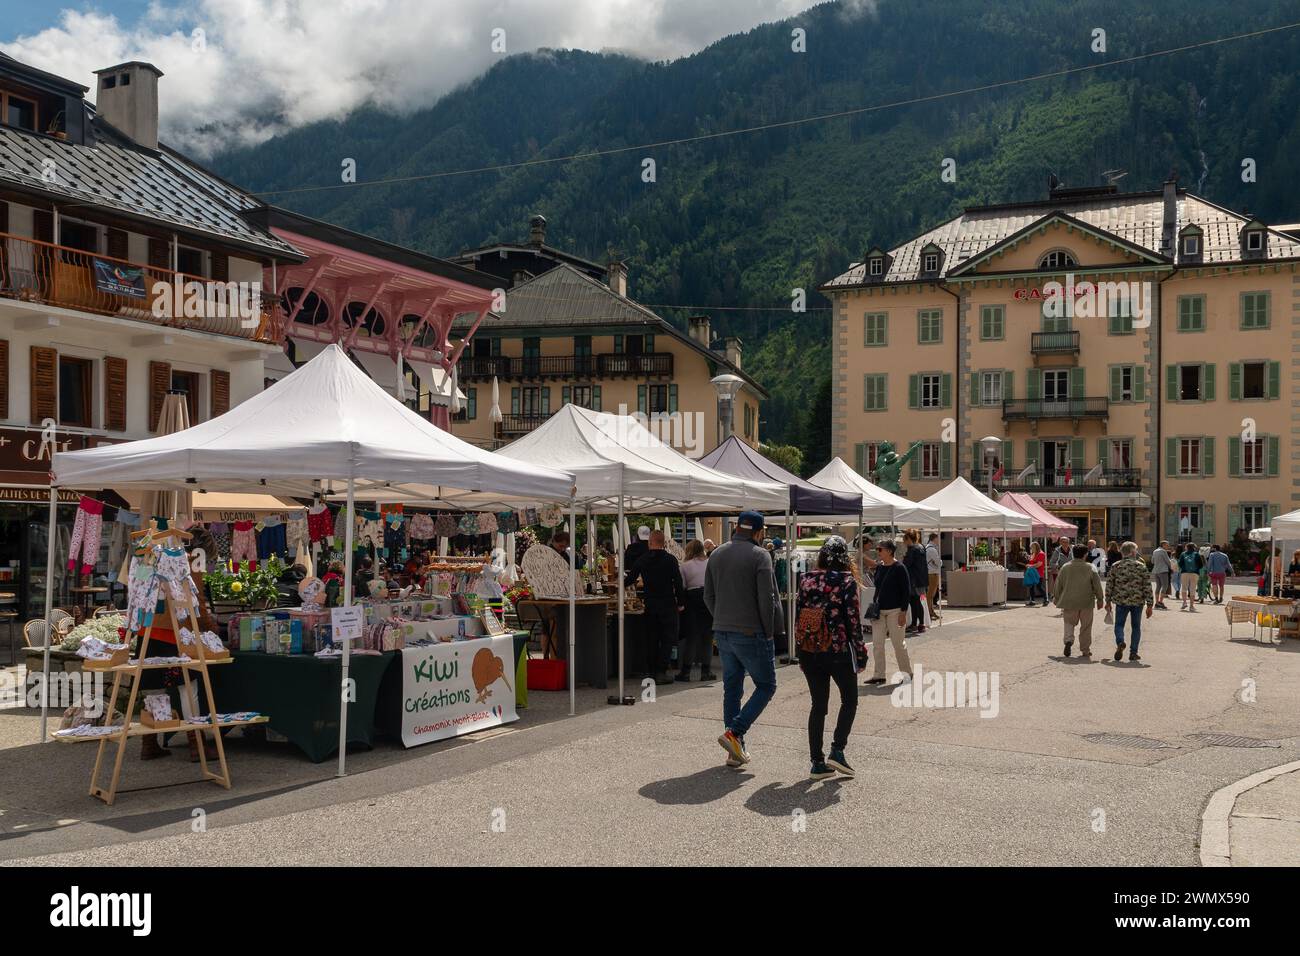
(889, 465)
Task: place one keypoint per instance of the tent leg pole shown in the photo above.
(349, 527)
(49, 610)
(789, 588)
(573, 604)
(790, 650)
(621, 596)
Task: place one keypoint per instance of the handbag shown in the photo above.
(1031, 577)
(811, 631)
(1110, 616)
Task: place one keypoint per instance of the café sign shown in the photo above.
(29, 452)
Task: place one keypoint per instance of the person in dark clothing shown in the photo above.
(917, 569)
(894, 594)
(697, 622)
(633, 552)
(664, 596)
(361, 578)
(560, 542)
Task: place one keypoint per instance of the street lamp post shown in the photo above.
(990, 445)
(726, 385)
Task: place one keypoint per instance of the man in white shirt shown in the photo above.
(1097, 556)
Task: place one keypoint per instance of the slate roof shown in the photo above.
(1137, 218)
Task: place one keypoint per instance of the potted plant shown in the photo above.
(245, 589)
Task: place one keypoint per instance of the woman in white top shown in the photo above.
(697, 624)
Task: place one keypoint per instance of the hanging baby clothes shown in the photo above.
(272, 537)
(507, 523)
(85, 535)
(119, 542)
(422, 527)
(341, 517)
(141, 588)
(445, 526)
(297, 533)
(468, 524)
(551, 516)
(320, 523)
(529, 517)
(220, 532)
(173, 571)
(243, 544)
(394, 534)
(370, 529)
(487, 523)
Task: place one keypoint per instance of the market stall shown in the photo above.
(966, 509)
(1045, 525)
(326, 426)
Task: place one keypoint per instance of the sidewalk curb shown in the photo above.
(1216, 846)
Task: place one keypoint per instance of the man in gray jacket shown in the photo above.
(740, 592)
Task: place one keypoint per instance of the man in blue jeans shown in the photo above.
(1128, 591)
(740, 592)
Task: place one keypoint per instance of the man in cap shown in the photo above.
(637, 548)
(740, 592)
(664, 595)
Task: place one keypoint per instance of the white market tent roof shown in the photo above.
(323, 423)
(965, 508)
(1286, 527)
(878, 505)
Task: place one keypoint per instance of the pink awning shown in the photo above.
(1045, 523)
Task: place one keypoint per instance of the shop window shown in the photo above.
(75, 376)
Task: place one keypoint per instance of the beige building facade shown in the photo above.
(1131, 354)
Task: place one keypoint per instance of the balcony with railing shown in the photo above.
(1078, 479)
(1044, 344)
(1033, 409)
(565, 367)
(515, 425)
(48, 274)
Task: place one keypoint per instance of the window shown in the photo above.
(531, 366)
(469, 410)
(582, 363)
(1123, 383)
(1254, 310)
(1254, 380)
(78, 235)
(530, 401)
(751, 421)
(19, 111)
(188, 383)
(929, 328)
(190, 261)
(634, 344)
(931, 460)
(657, 399)
(1191, 313)
(1054, 323)
(931, 391)
(1058, 259)
(865, 455)
(1120, 308)
(1189, 457)
(1254, 516)
(876, 266)
(1189, 383)
(876, 329)
(1254, 457)
(74, 391)
(1119, 453)
(1254, 243)
(930, 262)
(993, 322)
(585, 396)
(991, 388)
(874, 395)
(1056, 385)
(1189, 519)
(1191, 245)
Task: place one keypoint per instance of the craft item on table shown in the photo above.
(487, 523)
(156, 661)
(491, 623)
(85, 535)
(207, 646)
(320, 523)
(551, 516)
(312, 592)
(89, 730)
(99, 655)
(445, 526)
(157, 710)
(252, 633)
(422, 528)
(489, 580)
(243, 543)
(238, 717)
(442, 583)
(468, 524)
(296, 533)
(546, 571)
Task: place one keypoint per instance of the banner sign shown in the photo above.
(117, 279)
(456, 688)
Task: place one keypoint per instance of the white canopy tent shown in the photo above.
(965, 508)
(325, 426)
(878, 505)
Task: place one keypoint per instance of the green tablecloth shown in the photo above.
(300, 693)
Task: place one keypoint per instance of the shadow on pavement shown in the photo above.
(703, 786)
(810, 796)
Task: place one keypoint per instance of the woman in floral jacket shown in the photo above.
(829, 633)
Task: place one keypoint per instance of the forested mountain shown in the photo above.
(740, 221)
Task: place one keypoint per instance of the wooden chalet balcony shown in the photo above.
(566, 367)
(1110, 479)
(41, 272)
(1033, 409)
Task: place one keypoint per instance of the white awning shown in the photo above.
(381, 369)
(436, 381)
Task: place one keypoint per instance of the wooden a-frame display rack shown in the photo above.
(133, 672)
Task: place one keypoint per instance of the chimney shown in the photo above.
(537, 231)
(617, 274)
(697, 326)
(127, 98)
(732, 346)
(1169, 230)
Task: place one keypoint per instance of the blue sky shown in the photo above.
(24, 17)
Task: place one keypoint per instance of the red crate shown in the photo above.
(547, 675)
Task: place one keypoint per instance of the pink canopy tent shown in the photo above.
(1045, 523)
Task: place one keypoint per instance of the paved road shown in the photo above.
(646, 784)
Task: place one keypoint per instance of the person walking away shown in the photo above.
(664, 597)
(829, 636)
(1162, 568)
(1128, 592)
(915, 563)
(635, 549)
(1189, 572)
(893, 597)
(1058, 559)
(934, 571)
(1078, 589)
(1203, 576)
(1035, 574)
(740, 593)
(1219, 566)
(1113, 555)
(1096, 556)
(697, 625)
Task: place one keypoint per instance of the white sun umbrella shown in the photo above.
(699, 529)
(495, 414)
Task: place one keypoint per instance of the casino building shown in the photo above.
(1131, 352)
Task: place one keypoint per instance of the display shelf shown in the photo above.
(140, 730)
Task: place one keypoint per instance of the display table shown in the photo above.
(977, 588)
(300, 692)
(591, 663)
(1248, 607)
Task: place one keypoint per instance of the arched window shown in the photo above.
(314, 311)
(373, 325)
(1058, 259)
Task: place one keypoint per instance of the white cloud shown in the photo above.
(265, 65)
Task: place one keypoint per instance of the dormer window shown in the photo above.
(1255, 240)
(1058, 259)
(931, 260)
(18, 111)
(876, 266)
(1191, 245)
(930, 263)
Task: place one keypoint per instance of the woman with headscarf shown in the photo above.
(829, 632)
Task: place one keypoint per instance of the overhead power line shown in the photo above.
(787, 124)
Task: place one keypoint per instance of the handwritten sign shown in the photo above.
(347, 622)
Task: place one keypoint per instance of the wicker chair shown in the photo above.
(34, 633)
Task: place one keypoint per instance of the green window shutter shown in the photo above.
(595, 398)
(1207, 456)
(1274, 379)
(1139, 383)
(860, 458)
(650, 342)
(1274, 450)
(1273, 511)
(1234, 519)
(1171, 383)
(672, 399)
(1101, 452)
(1171, 457)
(914, 466)
(913, 391)
(640, 399)
(618, 345)
(546, 400)
(1008, 452)
(945, 390)
(945, 459)
(1171, 523)
(1234, 456)
(975, 395)
(1008, 386)
(1115, 382)
(1207, 382)
(1234, 381)
(471, 409)
(1077, 382)
(1076, 455)
(514, 400)
(1032, 380)
(564, 395)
